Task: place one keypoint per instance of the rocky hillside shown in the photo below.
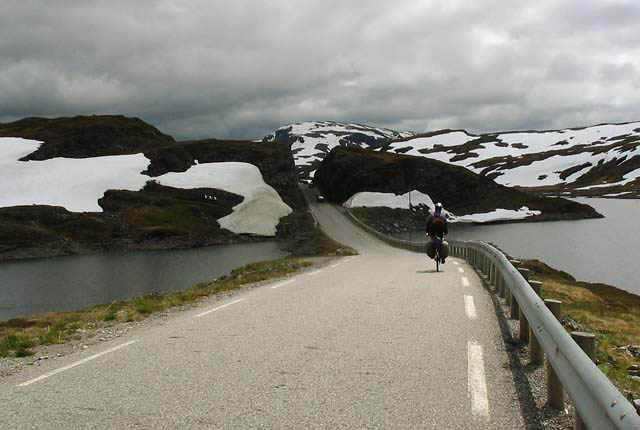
(601, 160)
(347, 171)
(166, 202)
(86, 136)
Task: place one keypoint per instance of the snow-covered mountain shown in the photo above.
(311, 141)
(600, 159)
(596, 160)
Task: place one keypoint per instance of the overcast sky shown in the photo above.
(242, 68)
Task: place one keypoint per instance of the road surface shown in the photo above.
(377, 341)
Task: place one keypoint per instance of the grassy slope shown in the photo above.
(613, 315)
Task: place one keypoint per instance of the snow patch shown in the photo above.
(496, 215)
(390, 200)
(77, 183)
(395, 201)
(74, 183)
(260, 211)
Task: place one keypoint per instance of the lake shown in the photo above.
(30, 287)
(596, 250)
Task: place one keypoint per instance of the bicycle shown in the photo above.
(437, 246)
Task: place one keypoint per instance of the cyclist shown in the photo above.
(437, 224)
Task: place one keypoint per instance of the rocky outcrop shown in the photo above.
(274, 161)
(346, 171)
(155, 217)
(86, 136)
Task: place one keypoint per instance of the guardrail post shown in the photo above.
(515, 308)
(555, 390)
(492, 275)
(536, 353)
(487, 267)
(494, 272)
(587, 342)
(508, 297)
(501, 286)
(524, 324)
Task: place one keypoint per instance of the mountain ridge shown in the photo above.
(598, 160)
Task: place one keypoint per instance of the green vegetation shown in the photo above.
(613, 315)
(18, 336)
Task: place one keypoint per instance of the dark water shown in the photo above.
(600, 250)
(66, 283)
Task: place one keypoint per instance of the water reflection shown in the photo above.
(31, 287)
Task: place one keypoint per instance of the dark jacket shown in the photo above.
(429, 229)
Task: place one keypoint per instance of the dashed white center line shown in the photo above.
(456, 263)
(315, 273)
(460, 269)
(335, 265)
(77, 363)
(282, 283)
(218, 308)
(476, 380)
(470, 307)
(465, 281)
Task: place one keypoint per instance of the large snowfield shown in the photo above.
(541, 172)
(77, 184)
(390, 200)
(544, 167)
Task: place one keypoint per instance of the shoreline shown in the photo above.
(29, 340)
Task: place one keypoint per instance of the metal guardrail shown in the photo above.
(597, 401)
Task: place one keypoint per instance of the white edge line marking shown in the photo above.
(465, 281)
(470, 307)
(283, 283)
(460, 269)
(77, 363)
(477, 384)
(218, 308)
(315, 273)
(335, 265)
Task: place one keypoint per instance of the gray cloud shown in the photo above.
(196, 68)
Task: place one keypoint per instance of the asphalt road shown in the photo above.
(379, 341)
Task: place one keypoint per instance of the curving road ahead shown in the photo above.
(377, 341)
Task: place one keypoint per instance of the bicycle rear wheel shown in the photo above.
(437, 261)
